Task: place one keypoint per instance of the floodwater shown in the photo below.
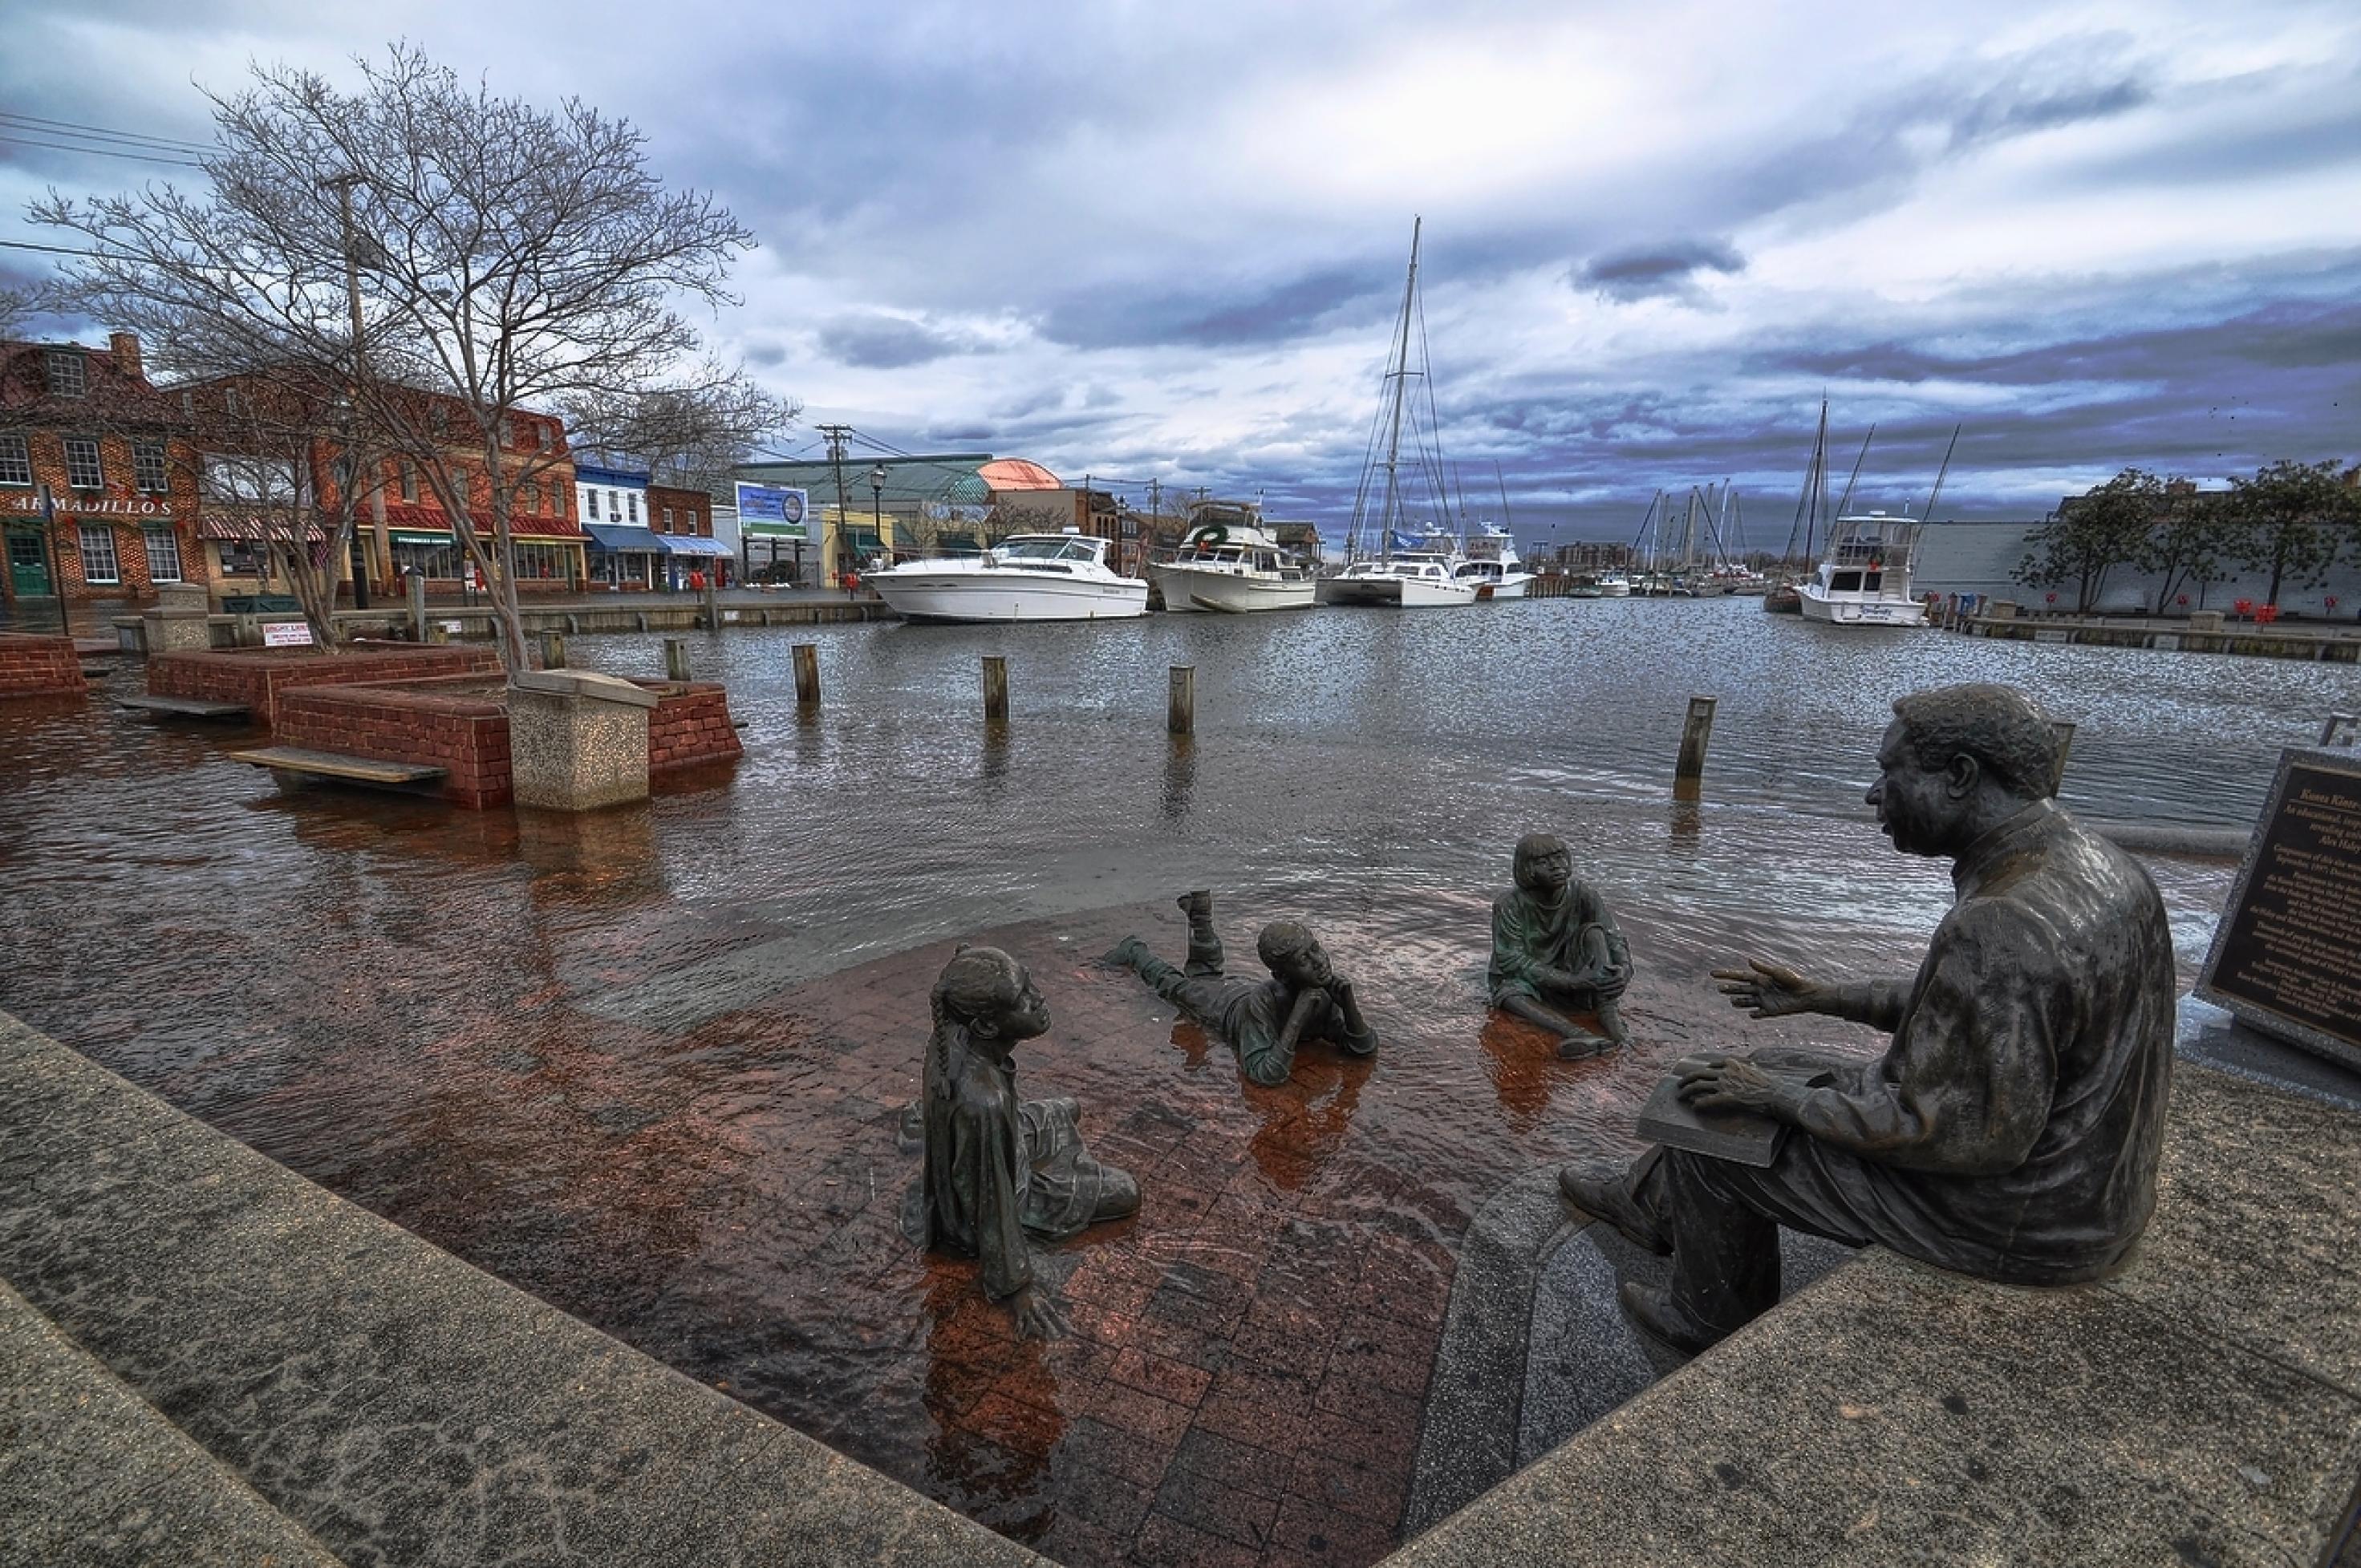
(538, 1041)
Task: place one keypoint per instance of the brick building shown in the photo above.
(115, 454)
(416, 534)
(683, 522)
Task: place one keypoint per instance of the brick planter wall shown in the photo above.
(32, 665)
(259, 678)
(463, 730)
(690, 726)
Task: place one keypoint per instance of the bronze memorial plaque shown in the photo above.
(2287, 957)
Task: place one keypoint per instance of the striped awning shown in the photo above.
(693, 544)
(246, 527)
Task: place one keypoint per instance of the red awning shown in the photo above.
(432, 520)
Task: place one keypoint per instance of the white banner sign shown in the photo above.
(287, 634)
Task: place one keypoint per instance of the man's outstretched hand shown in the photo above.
(1768, 990)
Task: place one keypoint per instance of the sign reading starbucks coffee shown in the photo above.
(2287, 957)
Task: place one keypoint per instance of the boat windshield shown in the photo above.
(1049, 547)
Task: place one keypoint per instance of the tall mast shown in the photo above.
(1845, 503)
(1941, 473)
(1400, 379)
(1819, 480)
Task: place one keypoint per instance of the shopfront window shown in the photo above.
(98, 560)
(544, 563)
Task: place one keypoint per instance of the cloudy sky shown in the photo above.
(1166, 241)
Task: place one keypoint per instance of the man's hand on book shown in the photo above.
(1733, 1083)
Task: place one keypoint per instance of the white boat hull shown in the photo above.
(1006, 594)
(1508, 586)
(1851, 611)
(1396, 593)
(1187, 590)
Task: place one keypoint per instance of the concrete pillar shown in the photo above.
(578, 741)
(180, 622)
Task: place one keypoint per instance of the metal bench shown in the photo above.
(292, 765)
(183, 707)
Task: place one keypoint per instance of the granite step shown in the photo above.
(90, 1473)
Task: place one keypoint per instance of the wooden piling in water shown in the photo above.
(1688, 772)
(676, 660)
(552, 650)
(1180, 704)
(2062, 731)
(807, 674)
(995, 689)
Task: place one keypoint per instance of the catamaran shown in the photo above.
(1419, 573)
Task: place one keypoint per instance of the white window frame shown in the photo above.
(97, 462)
(163, 546)
(98, 543)
(149, 472)
(16, 461)
(68, 373)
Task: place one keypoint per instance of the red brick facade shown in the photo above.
(690, 726)
(260, 679)
(39, 666)
(464, 731)
(101, 546)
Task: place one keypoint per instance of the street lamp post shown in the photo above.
(877, 503)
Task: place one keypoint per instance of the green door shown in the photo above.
(28, 573)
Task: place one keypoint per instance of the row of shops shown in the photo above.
(642, 560)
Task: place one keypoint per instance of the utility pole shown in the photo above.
(836, 435)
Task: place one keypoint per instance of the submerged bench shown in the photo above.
(184, 706)
(294, 763)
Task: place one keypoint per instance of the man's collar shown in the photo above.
(1998, 842)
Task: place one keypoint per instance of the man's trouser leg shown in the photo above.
(1725, 1251)
(1205, 955)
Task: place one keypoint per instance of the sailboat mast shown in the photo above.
(1400, 381)
(1819, 481)
(1940, 474)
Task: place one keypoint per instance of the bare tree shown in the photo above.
(456, 257)
(689, 432)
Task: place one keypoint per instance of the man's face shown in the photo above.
(1914, 803)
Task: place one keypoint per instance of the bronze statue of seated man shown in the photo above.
(997, 1168)
(1265, 1021)
(2013, 1127)
(1556, 951)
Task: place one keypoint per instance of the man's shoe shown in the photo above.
(1606, 1198)
(1125, 954)
(1653, 1310)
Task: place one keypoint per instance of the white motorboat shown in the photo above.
(1409, 581)
(1614, 586)
(1864, 578)
(1027, 577)
(1493, 565)
(1228, 563)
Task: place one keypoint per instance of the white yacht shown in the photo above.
(1864, 578)
(1614, 586)
(1407, 581)
(1027, 577)
(1230, 564)
(1494, 566)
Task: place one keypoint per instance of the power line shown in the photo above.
(104, 133)
(106, 152)
(52, 249)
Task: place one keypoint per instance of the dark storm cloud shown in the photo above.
(1656, 270)
(876, 342)
(1125, 318)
